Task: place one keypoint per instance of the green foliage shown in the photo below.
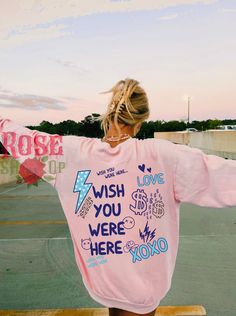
(173, 126)
(44, 159)
(214, 123)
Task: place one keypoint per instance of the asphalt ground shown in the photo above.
(38, 269)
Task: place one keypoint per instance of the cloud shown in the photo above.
(23, 15)
(25, 35)
(168, 17)
(8, 99)
(227, 10)
(71, 65)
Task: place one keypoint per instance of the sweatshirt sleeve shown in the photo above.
(50, 147)
(204, 180)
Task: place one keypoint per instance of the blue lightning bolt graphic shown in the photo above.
(81, 187)
(147, 233)
(152, 234)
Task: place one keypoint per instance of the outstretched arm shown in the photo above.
(204, 180)
(25, 145)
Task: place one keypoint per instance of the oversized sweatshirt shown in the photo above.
(122, 206)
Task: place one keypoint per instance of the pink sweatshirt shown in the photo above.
(122, 208)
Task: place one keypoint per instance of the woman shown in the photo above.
(121, 198)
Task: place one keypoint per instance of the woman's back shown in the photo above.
(122, 216)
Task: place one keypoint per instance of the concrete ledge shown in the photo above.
(220, 143)
(189, 310)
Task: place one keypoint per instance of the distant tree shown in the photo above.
(91, 128)
(142, 133)
(147, 130)
(172, 126)
(97, 126)
(67, 127)
(158, 124)
(229, 122)
(47, 127)
(198, 125)
(212, 124)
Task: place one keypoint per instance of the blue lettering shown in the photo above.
(141, 251)
(144, 250)
(152, 246)
(108, 209)
(94, 231)
(159, 244)
(98, 209)
(120, 228)
(97, 193)
(139, 183)
(148, 179)
(160, 180)
(134, 254)
(115, 190)
(107, 229)
(104, 248)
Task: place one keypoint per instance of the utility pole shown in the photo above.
(188, 108)
(187, 99)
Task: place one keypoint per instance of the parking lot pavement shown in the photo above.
(38, 269)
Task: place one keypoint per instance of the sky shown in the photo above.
(56, 57)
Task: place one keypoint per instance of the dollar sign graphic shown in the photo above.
(140, 202)
(158, 209)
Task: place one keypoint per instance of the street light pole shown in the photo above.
(187, 99)
(188, 108)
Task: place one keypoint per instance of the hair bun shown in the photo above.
(128, 105)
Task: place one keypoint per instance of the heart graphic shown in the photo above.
(149, 169)
(141, 167)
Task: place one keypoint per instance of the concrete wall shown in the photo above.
(220, 143)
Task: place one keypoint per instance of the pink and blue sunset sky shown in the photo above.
(57, 56)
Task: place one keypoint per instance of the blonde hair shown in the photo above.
(128, 105)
